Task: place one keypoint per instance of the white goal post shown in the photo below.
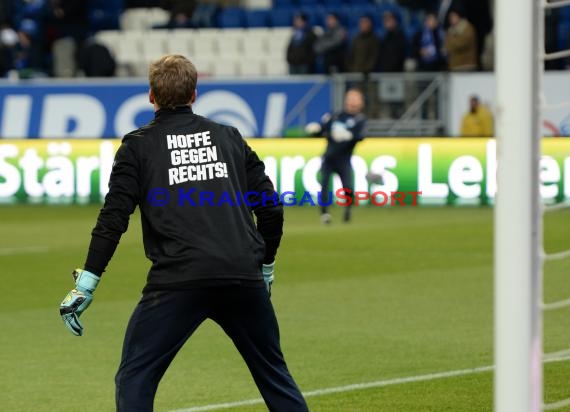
(517, 227)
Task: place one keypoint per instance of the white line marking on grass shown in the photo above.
(360, 386)
(8, 251)
(348, 388)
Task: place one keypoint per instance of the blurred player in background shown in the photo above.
(343, 131)
(208, 262)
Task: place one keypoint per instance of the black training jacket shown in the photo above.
(196, 183)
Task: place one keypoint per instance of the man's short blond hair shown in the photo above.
(172, 79)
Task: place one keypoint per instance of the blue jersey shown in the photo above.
(342, 131)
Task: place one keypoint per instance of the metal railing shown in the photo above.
(399, 104)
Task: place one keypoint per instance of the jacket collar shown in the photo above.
(167, 112)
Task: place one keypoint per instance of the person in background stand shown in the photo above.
(461, 43)
(331, 45)
(300, 51)
(392, 46)
(428, 46)
(429, 55)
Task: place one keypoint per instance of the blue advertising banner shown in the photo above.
(111, 109)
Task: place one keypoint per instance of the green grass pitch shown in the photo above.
(398, 292)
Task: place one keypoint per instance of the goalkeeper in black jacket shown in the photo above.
(343, 131)
(188, 175)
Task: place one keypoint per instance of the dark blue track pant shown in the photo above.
(344, 170)
(164, 320)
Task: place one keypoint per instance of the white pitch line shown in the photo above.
(9, 251)
(360, 386)
(348, 388)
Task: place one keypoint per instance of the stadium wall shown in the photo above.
(258, 108)
(446, 171)
(110, 109)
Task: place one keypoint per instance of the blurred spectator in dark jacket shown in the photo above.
(95, 59)
(363, 51)
(428, 46)
(68, 18)
(6, 11)
(331, 45)
(26, 57)
(461, 43)
(392, 46)
(477, 12)
(181, 12)
(300, 52)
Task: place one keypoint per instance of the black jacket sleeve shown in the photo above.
(269, 209)
(120, 203)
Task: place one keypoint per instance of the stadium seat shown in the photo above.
(101, 14)
(154, 44)
(128, 46)
(108, 37)
(225, 68)
(231, 17)
(279, 36)
(203, 44)
(182, 33)
(133, 19)
(277, 67)
(315, 15)
(100, 19)
(64, 64)
(277, 43)
(180, 41)
(204, 64)
(256, 18)
(255, 43)
(230, 43)
(281, 17)
(343, 12)
(140, 68)
(204, 15)
(157, 17)
(310, 3)
(252, 67)
(179, 45)
(376, 13)
(284, 3)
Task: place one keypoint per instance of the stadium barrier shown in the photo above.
(446, 171)
(107, 109)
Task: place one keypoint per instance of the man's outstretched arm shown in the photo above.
(112, 222)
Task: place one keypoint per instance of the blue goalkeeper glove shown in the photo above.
(78, 299)
(268, 271)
